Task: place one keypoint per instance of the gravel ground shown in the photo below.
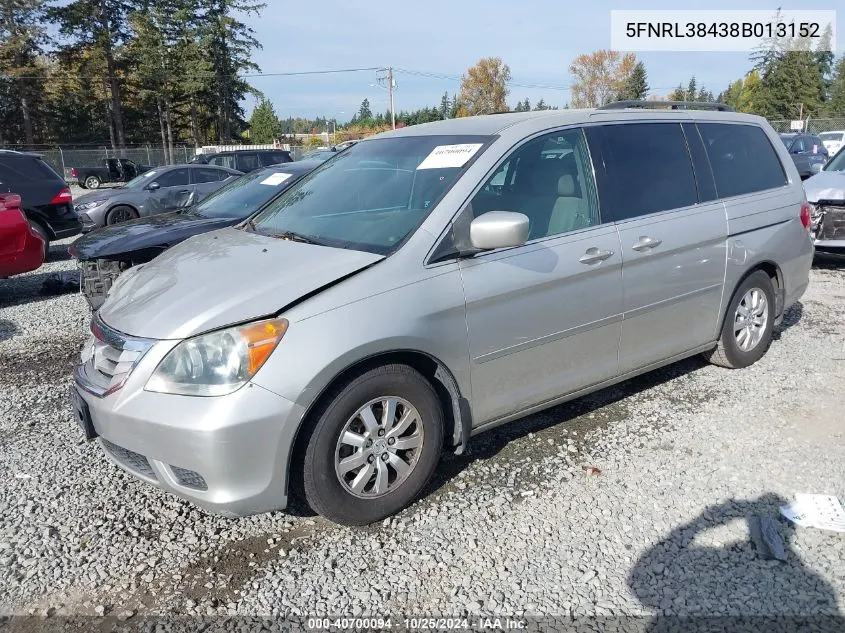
(630, 501)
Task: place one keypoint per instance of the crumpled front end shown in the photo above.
(828, 226)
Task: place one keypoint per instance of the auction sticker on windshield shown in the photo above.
(275, 179)
(444, 156)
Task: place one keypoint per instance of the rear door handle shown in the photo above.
(185, 191)
(594, 256)
(645, 243)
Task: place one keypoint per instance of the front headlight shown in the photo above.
(218, 363)
(85, 206)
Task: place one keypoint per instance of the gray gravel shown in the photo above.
(630, 501)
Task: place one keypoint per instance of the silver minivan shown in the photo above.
(434, 282)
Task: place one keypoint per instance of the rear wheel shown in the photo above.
(375, 445)
(120, 214)
(747, 331)
(42, 233)
(91, 182)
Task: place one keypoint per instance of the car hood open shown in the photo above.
(827, 185)
(222, 278)
(155, 231)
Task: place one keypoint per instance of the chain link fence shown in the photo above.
(152, 155)
(813, 126)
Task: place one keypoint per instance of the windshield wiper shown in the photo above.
(296, 237)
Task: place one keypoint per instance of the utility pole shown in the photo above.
(390, 89)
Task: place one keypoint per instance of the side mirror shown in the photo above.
(499, 229)
(153, 186)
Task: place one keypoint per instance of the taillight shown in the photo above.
(806, 215)
(10, 201)
(63, 197)
(73, 172)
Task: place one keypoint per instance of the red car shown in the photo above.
(21, 249)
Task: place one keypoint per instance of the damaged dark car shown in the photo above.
(107, 252)
(826, 194)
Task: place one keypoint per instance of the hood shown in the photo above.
(827, 185)
(155, 231)
(221, 278)
(108, 193)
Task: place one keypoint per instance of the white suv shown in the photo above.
(833, 140)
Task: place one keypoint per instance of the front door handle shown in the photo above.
(645, 243)
(594, 256)
(185, 191)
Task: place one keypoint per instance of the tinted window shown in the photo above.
(174, 178)
(226, 160)
(549, 179)
(374, 194)
(28, 169)
(245, 195)
(248, 162)
(742, 158)
(816, 145)
(209, 175)
(647, 168)
(274, 158)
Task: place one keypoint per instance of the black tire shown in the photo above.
(322, 485)
(91, 182)
(728, 352)
(42, 233)
(121, 213)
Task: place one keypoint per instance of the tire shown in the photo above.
(737, 349)
(42, 233)
(92, 182)
(121, 213)
(329, 492)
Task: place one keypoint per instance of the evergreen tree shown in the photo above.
(264, 126)
(445, 106)
(691, 92)
(790, 86)
(636, 86)
(836, 103)
(824, 60)
(364, 112)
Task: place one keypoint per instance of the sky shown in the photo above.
(536, 38)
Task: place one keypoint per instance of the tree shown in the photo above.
(484, 87)
(364, 111)
(691, 94)
(541, 105)
(636, 85)
(790, 87)
(836, 103)
(678, 94)
(264, 126)
(103, 26)
(824, 60)
(599, 76)
(22, 35)
(445, 106)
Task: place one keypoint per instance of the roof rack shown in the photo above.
(674, 105)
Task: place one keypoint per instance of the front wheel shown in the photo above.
(747, 330)
(375, 445)
(92, 182)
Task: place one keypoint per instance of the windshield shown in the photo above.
(787, 140)
(373, 195)
(139, 182)
(837, 163)
(244, 196)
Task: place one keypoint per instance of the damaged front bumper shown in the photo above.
(828, 226)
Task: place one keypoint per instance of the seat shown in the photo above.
(570, 211)
(537, 203)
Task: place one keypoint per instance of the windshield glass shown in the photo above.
(139, 182)
(837, 163)
(373, 195)
(243, 196)
(786, 139)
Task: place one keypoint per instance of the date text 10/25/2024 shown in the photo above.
(418, 624)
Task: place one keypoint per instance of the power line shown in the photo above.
(207, 74)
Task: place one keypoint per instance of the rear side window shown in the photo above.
(209, 175)
(647, 168)
(274, 158)
(227, 160)
(248, 162)
(742, 158)
(29, 169)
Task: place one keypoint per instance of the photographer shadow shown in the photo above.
(695, 583)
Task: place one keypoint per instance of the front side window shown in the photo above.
(646, 168)
(550, 180)
(373, 195)
(742, 158)
(174, 178)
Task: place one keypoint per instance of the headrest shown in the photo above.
(544, 179)
(566, 186)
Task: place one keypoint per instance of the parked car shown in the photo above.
(158, 191)
(320, 154)
(245, 160)
(833, 141)
(807, 151)
(46, 199)
(105, 253)
(21, 248)
(390, 305)
(826, 194)
(113, 170)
